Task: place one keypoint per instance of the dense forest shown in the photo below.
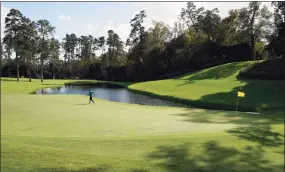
(199, 39)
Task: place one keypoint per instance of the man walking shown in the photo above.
(90, 94)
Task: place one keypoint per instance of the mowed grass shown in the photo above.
(63, 133)
(217, 88)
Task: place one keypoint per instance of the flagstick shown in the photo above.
(237, 104)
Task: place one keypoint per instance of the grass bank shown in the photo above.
(217, 87)
(265, 70)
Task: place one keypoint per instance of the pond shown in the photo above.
(111, 93)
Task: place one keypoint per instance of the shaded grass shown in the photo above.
(216, 157)
(187, 153)
(261, 134)
(215, 73)
(100, 168)
(265, 70)
(216, 88)
(10, 86)
(182, 155)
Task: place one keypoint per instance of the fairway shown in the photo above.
(64, 133)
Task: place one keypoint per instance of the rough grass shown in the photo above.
(62, 133)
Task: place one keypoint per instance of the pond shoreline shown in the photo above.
(109, 92)
(187, 102)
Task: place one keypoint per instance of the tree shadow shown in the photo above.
(101, 168)
(138, 170)
(15, 80)
(53, 84)
(214, 157)
(98, 83)
(261, 134)
(253, 128)
(207, 116)
(186, 82)
(224, 117)
(259, 96)
(83, 104)
(217, 72)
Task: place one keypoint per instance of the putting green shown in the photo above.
(63, 133)
(70, 116)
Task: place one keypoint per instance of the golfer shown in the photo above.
(90, 94)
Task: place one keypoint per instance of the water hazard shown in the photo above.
(111, 93)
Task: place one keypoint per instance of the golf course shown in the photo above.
(64, 133)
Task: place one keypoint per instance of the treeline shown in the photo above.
(199, 39)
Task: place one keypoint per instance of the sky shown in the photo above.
(96, 18)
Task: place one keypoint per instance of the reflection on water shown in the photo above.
(111, 94)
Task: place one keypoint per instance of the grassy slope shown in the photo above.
(61, 133)
(217, 88)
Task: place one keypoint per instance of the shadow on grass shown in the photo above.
(253, 128)
(104, 168)
(186, 82)
(213, 157)
(225, 117)
(217, 117)
(261, 134)
(217, 72)
(15, 80)
(260, 95)
(98, 83)
(53, 84)
(138, 170)
(101, 168)
(83, 104)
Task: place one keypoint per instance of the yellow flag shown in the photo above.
(240, 94)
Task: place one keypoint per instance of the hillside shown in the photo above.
(216, 88)
(265, 70)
